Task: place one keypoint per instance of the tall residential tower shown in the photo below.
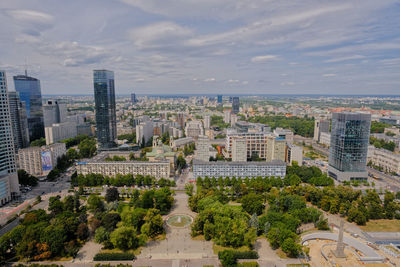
(104, 96)
(19, 121)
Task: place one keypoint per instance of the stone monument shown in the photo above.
(339, 252)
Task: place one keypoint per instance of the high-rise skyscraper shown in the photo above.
(19, 121)
(8, 176)
(219, 99)
(30, 92)
(133, 98)
(349, 146)
(54, 112)
(104, 96)
(235, 105)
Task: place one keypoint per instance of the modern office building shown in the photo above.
(256, 143)
(19, 121)
(320, 126)
(54, 112)
(104, 96)
(286, 134)
(30, 93)
(9, 188)
(239, 149)
(216, 169)
(133, 98)
(276, 147)
(203, 148)
(181, 119)
(349, 146)
(325, 139)
(144, 131)
(294, 153)
(39, 161)
(60, 131)
(219, 99)
(235, 105)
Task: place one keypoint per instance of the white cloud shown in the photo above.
(264, 58)
(287, 83)
(233, 81)
(210, 80)
(340, 59)
(329, 75)
(30, 16)
(158, 34)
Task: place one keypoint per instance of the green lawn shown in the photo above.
(382, 226)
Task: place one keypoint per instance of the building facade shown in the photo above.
(294, 153)
(60, 131)
(194, 129)
(54, 112)
(349, 146)
(235, 105)
(30, 92)
(104, 96)
(133, 98)
(256, 143)
(207, 121)
(384, 159)
(276, 147)
(238, 169)
(40, 161)
(9, 188)
(219, 99)
(287, 134)
(144, 131)
(320, 126)
(203, 148)
(239, 149)
(325, 139)
(19, 121)
(160, 169)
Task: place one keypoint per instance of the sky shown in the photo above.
(205, 46)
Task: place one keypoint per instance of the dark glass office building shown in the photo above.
(19, 121)
(219, 99)
(133, 98)
(30, 93)
(235, 105)
(349, 146)
(104, 96)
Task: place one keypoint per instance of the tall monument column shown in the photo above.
(339, 252)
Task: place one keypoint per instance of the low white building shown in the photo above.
(181, 142)
(194, 129)
(159, 169)
(275, 168)
(325, 139)
(387, 160)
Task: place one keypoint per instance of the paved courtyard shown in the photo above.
(178, 243)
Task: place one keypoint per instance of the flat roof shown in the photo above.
(232, 163)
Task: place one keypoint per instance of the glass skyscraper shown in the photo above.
(30, 93)
(235, 105)
(9, 188)
(19, 121)
(219, 99)
(104, 96)
(349, 146)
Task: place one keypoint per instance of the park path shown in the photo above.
(178, 243)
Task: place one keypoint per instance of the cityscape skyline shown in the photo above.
(262, 47)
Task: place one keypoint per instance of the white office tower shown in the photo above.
(203, 148)
(207, 122)
(234, 119)
(54, 112)
(144, 131)
(227, 116)
(8, 176)
(294, 153)
(320, 126)
(239, 149)
(60, 131)
(276, 147)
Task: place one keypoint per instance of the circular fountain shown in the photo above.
(179, 220)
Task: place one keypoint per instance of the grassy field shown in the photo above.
(217, 248)
(382, 226)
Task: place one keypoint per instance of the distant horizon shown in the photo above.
(214, 95)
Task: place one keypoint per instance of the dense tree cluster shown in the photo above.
(381, 143)
(70, 142)
(43, 236)
(378, 127)
(189, 149)
(130, 137)
(128, 226)
(300, 126)
(25, 178)
(218, 121)
(38, 142)
(93, 179)
(115, 158)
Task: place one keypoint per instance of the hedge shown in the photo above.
(123, 256)
(248, 264)
(229, 257)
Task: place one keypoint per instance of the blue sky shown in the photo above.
(205, 46)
